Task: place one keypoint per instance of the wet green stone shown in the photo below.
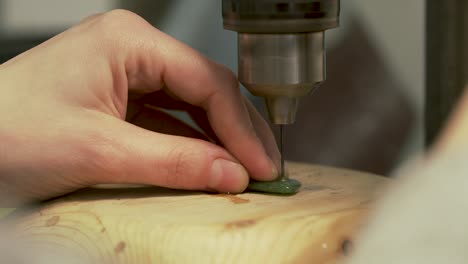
(283, 186)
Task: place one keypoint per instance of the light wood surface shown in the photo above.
(157, 225)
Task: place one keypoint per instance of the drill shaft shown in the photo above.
(282, 175)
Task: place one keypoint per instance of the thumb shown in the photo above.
(147, 157)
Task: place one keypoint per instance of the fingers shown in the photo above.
(201, 82)
(150, 60)
(261, 127)
(264, 133)
(216, 90)
(142, 156)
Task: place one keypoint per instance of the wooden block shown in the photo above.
(157, 225)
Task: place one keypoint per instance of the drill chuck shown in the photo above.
(281, 52)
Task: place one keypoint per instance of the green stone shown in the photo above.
(282, 186)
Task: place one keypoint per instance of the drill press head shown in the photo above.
(281, 51)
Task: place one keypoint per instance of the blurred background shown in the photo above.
(367, 116)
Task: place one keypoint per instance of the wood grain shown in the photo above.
(157, 225)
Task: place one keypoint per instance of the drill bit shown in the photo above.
(282, 175)
(283, 185)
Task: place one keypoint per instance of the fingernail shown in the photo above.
(228, 176)
(275, 173)
(268, 175)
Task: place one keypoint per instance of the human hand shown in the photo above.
(63, 104)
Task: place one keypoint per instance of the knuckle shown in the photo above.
(229, 76)
(229, 81)
(181, 164)
(225, 82)
(120, 16)
(190, 167)
(117, 25)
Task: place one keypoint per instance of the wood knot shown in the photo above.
(120, 247)
(52, 221)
